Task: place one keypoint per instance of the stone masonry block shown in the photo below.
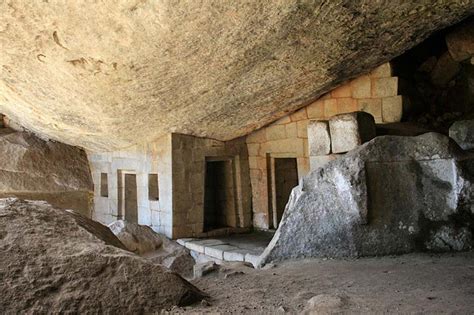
(302, 127)
(258, 136)
(342, 91)
(372, 106)
(346, 105)
(319, 139)
(330, 107)
(392, 108)
(316, 110)
(253, 149)
(350, 130)
(291, 130)
(299, 115)
(382, 71)
(361, 87)
(385, 87)
(276, 132)
(283, 120)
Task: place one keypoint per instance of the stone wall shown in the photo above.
(153, 158)
(179, 162)
(374, 93)
(189, 169)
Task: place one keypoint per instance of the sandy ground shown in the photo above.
(415, 283)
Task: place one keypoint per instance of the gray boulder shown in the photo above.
(139, 239)
(391, 195)
(52, 264)
(143, 241)
(463, 133)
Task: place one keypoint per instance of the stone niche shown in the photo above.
(37, 169)
(375, 93)
(166, 184)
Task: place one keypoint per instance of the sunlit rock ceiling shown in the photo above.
(105, 75)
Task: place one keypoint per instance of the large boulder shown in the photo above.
(462, 131)
(38, 169)
(141, 239)
(391, 195)
(50, 263)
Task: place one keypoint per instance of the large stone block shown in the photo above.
(392, 108)
(384, 87)
(382, 71)
(392, 195)
(346, 105)
(276, 132)
(319, 138)
(372, 106)
(316, 110)
(463, 133)
(361, 87)
(342, 91)
(299, 115)
(330, 107)
(350, 130)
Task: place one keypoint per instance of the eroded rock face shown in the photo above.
(143, 241)
(52, 264)
(33, 168)
(107, 75)
(391, 195)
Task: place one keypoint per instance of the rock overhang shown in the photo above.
(106, 76)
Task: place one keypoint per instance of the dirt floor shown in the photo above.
(415, 283)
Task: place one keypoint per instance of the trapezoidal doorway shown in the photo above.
(127, 191)
(219, 195)
(284, 177)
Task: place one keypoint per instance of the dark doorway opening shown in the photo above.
(219, 195)
(127, 189)
(286, 178)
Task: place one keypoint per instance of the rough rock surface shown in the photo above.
(139, 239)
(462, 132)
(51, 264)
(143, 241)
(33, 168)
(391, 195)
(109, 74)
(33, 164)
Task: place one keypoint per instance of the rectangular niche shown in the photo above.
(104, 185)
(153, 188)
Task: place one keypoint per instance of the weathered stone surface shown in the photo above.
(36, 169)
(33, 164)
(157, 248)
(460, 41)
(391, 195)
(350, 130)
(52, 264)
(463, 133)
(392, 109)
(319, 161)
(109, 74)
(202, 269)
(139, 239)
(319, 139)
